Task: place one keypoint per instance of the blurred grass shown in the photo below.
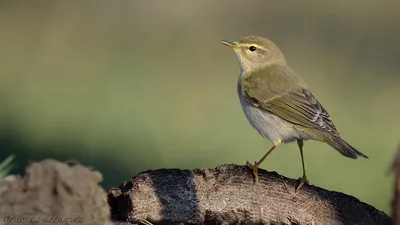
(6, 166)
(131, 86)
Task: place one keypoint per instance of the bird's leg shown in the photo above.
(303, 179)
(257, 164)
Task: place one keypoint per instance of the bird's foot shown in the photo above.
(255, 170)
(303, 180)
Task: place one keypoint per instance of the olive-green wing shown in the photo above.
(293, 103)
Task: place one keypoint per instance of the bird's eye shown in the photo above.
(252, 48)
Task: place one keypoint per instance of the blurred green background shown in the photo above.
(127, 86)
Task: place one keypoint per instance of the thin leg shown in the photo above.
(257, 164)
(303, 179)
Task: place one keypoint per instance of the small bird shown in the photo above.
(278, 104)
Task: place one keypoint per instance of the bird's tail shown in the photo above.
(344, 148)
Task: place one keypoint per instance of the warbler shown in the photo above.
(278, 104)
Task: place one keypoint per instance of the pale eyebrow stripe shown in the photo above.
(255, 45)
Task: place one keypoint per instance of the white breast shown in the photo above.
(268, 125)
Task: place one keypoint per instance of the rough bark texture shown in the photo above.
(54, 193)
(227, 195)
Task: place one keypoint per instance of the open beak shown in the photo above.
(230, 44)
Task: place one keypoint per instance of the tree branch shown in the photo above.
(227, 195)
(224, 195)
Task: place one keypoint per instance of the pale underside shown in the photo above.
(283, 115)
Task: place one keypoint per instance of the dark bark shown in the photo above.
(224, 195)
(227, 195)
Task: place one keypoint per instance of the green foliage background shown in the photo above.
(127, 86)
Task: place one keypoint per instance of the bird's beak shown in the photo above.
(230, 44)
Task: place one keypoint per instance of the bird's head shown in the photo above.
(256, 52)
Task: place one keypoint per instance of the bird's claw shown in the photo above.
(255, 170)
(303, 180)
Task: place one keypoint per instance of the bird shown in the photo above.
(278, 104)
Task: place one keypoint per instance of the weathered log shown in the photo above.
(228, 195)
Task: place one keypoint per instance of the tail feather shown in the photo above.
(344, 148)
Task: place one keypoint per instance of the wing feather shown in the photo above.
(293, 103)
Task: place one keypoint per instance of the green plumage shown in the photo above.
(278, 104)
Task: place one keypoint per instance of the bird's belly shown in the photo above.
(268, 125)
